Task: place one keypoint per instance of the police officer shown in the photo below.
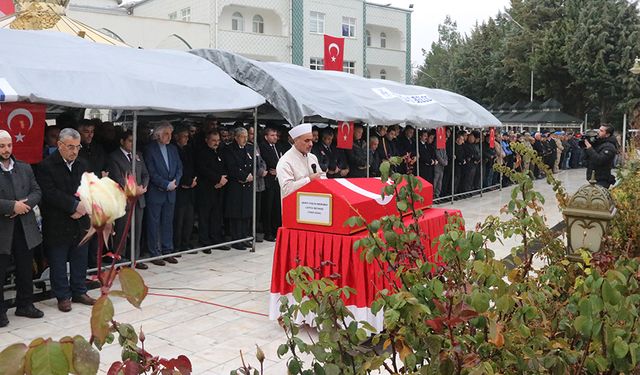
(600, 156)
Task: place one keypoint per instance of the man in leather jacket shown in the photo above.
(600, 156)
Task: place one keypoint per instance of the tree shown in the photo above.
(436, 70)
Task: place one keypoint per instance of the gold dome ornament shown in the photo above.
(38, 14)
(587, 216)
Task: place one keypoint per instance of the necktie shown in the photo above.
(129, 156)
(276, 151)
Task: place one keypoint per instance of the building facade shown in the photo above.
(377, 37)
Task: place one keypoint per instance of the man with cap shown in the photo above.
(298, 166)
(19, 193)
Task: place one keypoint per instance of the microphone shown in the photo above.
(313, 168)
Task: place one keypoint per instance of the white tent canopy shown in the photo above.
(297, 92)
(54, 68)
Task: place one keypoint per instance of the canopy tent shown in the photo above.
(299, 93)
(536, 114)
(54, 68)
(47, 16)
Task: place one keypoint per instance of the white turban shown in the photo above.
(299, 130)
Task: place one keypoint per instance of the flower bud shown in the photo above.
(130, 187)
(103, 199)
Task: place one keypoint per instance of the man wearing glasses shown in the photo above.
(65, 220)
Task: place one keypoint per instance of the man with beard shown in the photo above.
(600, 156)
(212, 179)
(19, 193)
(298, 166)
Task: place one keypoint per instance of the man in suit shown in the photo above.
(120, 163)
(327, 154)
(184, 215)
(239, 197)
(165, 171)
(271, 205)
(212, 179)
(92, 151)
(357, 156)
(19, 193)
(64, 220)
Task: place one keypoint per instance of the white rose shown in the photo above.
(103, 198)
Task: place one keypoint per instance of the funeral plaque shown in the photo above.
(314, 208)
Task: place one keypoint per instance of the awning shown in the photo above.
(54, 68)
(299, 93)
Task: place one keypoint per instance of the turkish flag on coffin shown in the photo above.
(6, 7)
(25, 122)
(345, 135)
(333, 53)
(441, 138)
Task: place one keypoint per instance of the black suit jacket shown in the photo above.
(119, 167)
(59, 186)
(271, 159)
(210, 167)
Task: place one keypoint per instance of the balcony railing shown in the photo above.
(270, 47)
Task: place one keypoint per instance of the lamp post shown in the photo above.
(587, 216)
(508, 16)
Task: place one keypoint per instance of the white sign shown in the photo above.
(418, 99)
(314, 208)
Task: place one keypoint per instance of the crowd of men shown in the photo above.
(200, 178)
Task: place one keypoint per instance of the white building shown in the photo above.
(377, 37)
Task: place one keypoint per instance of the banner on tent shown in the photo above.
(441, 138)
(492, 137)
(25, 122)
(418, 99)
(345, 135)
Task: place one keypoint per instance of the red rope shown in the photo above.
(208, 303)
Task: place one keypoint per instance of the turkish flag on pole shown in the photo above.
(441, 138)
(6, 7)
(333, 53)
(25, 122)
(345, 135)
(492, 137)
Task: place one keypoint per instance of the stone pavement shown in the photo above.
(209, 334)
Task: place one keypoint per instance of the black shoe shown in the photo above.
(238, 246)
(4, 321)
(208, 251)
(29, 311)
(171, 260)
(225, 248)
(247, 244)
(270, 238)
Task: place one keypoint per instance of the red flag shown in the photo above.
(333, 53)
(345, 135)
(441, 138)
(492, 137)
(25, 122)
(7, 7)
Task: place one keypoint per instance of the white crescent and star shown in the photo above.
(17, 112)
(348, 129)
(332, 46)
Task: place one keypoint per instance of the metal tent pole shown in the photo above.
(481, 162)
(133, 172)
(415, 135)
(255, 179)
(368, 149)
(624, 137)
(453, 166)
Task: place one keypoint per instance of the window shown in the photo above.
(316, 63)
(258, 24)
(383, 74)
(349, 27)
(383, 40)
(173, 16)
(237, 22)
(185, 14)
(316, 25)
(368, 36)
(349, 67)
